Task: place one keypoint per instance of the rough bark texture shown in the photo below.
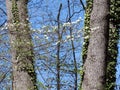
(24, 77)
(95, 64)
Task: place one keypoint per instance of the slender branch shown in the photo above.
(73, 49)
(4, 75)
(58, 49)
(82, 4)
(5, 14)
(3, 11)
(3, 23)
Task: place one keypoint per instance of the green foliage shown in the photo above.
(15, 12)
(86, 34)
(111, 60)
(87, 28)
(115, 12)
(41, 86)
(112, 46)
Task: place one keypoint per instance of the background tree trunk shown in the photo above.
(24, 77)
(95, 64)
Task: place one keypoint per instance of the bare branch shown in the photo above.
(3, 11)
(82, 4)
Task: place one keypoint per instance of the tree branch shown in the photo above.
(82, 4)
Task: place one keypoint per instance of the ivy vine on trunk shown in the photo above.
(24, 77)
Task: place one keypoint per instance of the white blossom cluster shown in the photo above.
(72, 23)
(48, 32)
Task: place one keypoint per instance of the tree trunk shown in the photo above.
(95, 64)
(24, 77)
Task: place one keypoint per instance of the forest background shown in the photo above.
(52, 23)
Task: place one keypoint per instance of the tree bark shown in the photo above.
(95, 64)
(24, 77)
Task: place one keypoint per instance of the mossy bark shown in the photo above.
(112, 46)
(88, 10)
(24, 77)
(95, 62)
(113, 40)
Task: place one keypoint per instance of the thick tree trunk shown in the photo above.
(95, 64)
(24, 77)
